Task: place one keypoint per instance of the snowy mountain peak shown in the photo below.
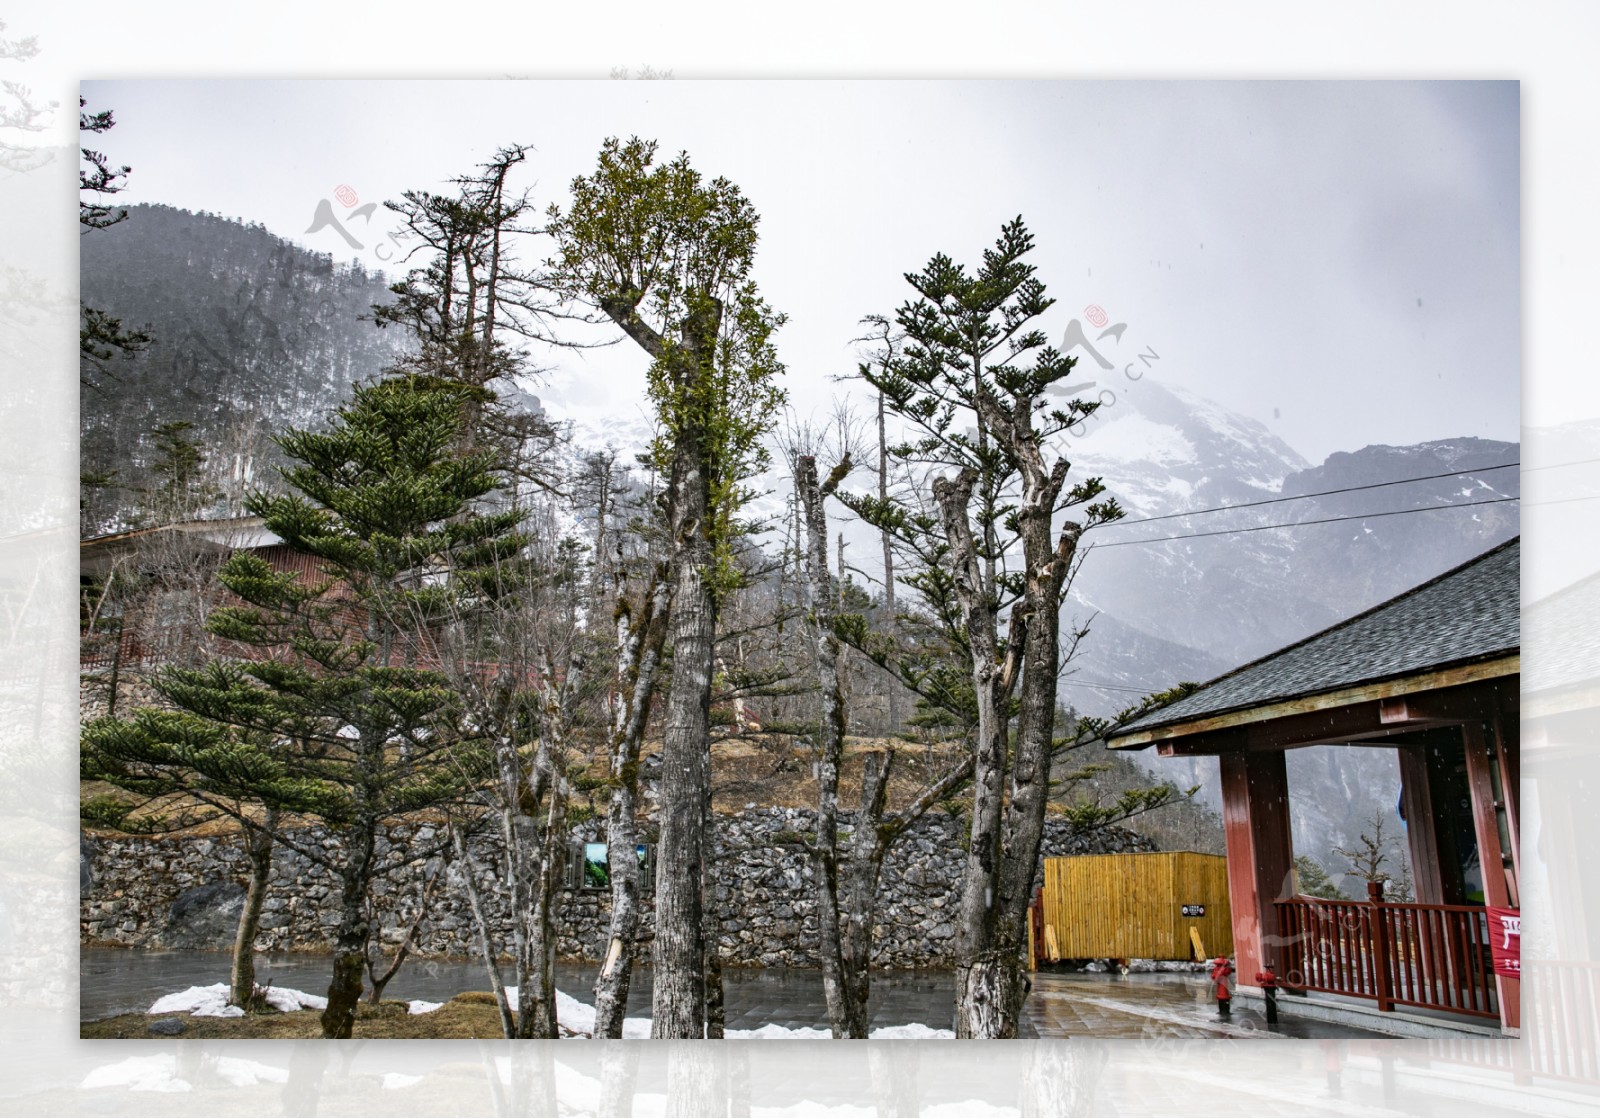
(1161, 448)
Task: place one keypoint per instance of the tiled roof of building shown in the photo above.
(1470, 613)
(1565, 637)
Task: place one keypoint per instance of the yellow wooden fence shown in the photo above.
(1131, 906)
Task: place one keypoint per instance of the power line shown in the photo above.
(1325, 493)
(1107, 687)
(1563, 500)
(1320, 521)
(1558, 465)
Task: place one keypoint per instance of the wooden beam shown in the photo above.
(1344, 697)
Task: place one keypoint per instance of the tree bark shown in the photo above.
(1006, 834)
(891, 620)
(678, 1002)
(350, 942)
(469, 878)
(830, 741)
(639, 643)
(258, 849)
(978, 995)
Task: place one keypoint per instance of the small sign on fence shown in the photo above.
(1194, 910)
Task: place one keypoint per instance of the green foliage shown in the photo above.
(331, 716)
(970, 343)
(179, 491)
(1089, 814)
(667, 256)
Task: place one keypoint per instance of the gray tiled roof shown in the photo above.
(1564, 637)
(1469, 613)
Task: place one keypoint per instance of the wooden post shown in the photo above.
(1378, 928)
(1499, 888)
(1422, 830)
(1255, 820)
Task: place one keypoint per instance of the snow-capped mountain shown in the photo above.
(1229, 586)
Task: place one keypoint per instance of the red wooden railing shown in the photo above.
(1399, 954)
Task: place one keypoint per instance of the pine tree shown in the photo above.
(335, 713)
(972, 380)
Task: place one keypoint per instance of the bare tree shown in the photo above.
(848, 870)
(515, 654)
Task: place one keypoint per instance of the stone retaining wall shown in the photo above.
(186, 893)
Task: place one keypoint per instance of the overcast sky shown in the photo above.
(1336, 259)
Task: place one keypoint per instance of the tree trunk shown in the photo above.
(508, 1023)
(639, 642)
(977, 983)
(619, 1069)
(830, 741)
(258, 849)
(1004, 860)
(678, 1002)
(350, 942)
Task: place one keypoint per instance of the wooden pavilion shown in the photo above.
(1432, 674)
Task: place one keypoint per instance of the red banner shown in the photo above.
(1505, 941)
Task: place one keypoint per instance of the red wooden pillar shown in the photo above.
(1499, 886)
(1422, 829)
(1255, 821)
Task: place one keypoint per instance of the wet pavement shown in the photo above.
(1151, 1005)
(1062, 1004)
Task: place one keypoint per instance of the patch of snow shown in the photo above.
(202, 1002)
(579, 1017)
(396, 1080)
(771, 1032)
(139, 1074)
(418, 1006)
(159, 1073)
(212, 1002)
(1135, 438)
(915, 1031)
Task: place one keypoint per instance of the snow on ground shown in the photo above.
(212, 1002)
(159, 1073)
(579, 1018)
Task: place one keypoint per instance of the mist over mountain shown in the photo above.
(1228, 585)
(251, 333)
(1168, 610)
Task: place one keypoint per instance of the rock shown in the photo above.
(167, 1027)
(86, 853)
(204, 917)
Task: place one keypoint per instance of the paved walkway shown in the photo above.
(1152, 1005)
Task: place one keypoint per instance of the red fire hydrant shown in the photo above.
(1268, 982)
(1221, 968)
